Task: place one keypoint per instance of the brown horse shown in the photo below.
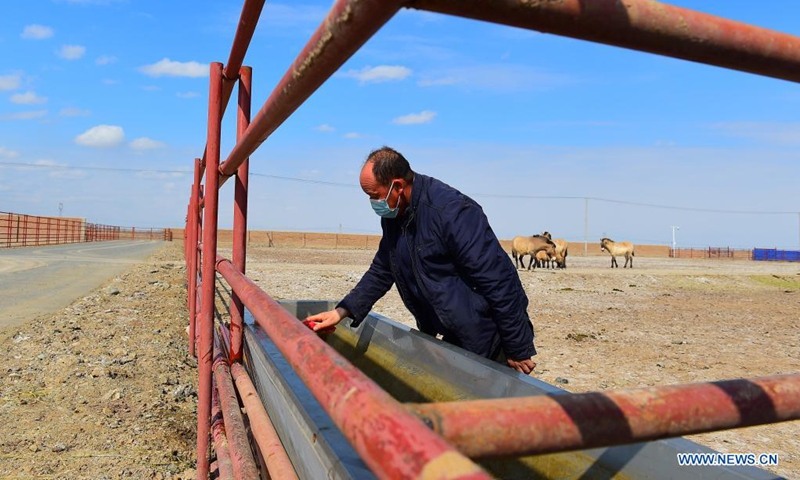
(522, 246)
(617, 248)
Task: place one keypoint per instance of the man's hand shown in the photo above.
(328, 319)
(522, 366)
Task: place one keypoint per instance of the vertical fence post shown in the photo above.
(193, 227)
(240, 212)
(211, 207)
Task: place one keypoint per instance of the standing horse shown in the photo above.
(617, 248)
(522, 246)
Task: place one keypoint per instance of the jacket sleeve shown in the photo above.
(372, 286)
(486, 268)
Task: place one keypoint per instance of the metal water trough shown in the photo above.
(414, 367)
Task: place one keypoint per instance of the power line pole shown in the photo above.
(585, 226)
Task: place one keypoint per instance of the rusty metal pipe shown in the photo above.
(244, 466)
(221, 447)
(248, 20)
(348, 25)
(206, 317)
(392, 442)
(240, 213)
(269, 443)
(194, 223)
(644, 25)
(554, 423)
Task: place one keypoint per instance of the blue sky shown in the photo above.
(109, 99)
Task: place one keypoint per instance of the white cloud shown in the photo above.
(381, 73)
(10, 82)
(353, 135)
(167, 67)
(28, 98)
(187, 94)
(74, 112)
(29, 115)
(105, 60)
(72, 52)
(500, 77)
(108, 81)
(144, 143)
(767, 132)
(150, 88)
(160, 175)
(101, 136)
(325, 128)
(425, 116)
(36, 32)
(8, 153)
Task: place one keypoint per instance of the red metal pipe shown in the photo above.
(551, 423)
(392, 442)
(194, 222)
(206, 318)
(269, 443)
(349, 24)
(248, 20)
(240, 212)
(644, 25)
(244, 466)
(221, 447)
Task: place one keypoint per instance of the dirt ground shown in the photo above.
(105, 388)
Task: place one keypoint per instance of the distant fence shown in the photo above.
(712, 252)
(775, 255)
(20, 230)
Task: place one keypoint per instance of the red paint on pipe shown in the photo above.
(206, 318)
(194, 224)
(269, 443)
(244, 466)
(392, 442)
(348, 25)
(248, 20)
(644, 25)
(221, 447)
(555, 423)
(240, 213)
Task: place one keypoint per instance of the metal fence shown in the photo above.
(391, 441)
(775, 255)
(20, 230)
(712, 252)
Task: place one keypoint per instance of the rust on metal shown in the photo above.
(269, 443)
(240, 213)
(555, 423)
(392, 442)
(205, 325)
(348, 25)
(644, 25)
(221, 447)
(244, 466)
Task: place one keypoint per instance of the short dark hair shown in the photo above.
(388, 164)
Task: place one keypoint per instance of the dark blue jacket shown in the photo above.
(460, 270)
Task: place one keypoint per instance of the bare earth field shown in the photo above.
(105, 387)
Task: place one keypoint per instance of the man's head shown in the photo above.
(386, 175)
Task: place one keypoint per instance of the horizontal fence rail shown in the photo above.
(712, 252)
(20, 230)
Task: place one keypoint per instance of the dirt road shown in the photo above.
(39, 280)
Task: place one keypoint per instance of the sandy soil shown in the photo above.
(105, 388)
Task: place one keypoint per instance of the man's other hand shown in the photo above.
(522, 366)
(328, 319)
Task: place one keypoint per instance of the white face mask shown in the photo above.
(381, 207)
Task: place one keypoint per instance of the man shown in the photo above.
(448, 265)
